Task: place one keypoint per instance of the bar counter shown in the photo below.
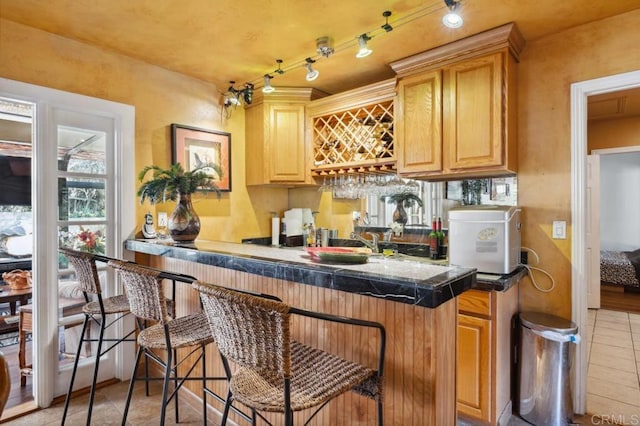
(415, 301)
(406, 281)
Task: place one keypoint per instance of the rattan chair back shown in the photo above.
(249, 330)
(86, 270)
(144, 290)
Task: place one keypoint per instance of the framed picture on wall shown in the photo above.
(194, 147)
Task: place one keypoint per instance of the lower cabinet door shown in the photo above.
(474, 367)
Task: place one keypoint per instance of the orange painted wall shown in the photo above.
(160, 97)
(548, 67)
(603, 134)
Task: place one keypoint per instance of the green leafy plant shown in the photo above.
(167, 184)
(405, 199)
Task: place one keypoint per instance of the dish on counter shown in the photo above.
(351, 255)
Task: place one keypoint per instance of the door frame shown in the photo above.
(579, 93)
(45, 361)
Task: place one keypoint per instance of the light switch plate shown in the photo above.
(559, 230)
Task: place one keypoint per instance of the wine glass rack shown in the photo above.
(354, 141)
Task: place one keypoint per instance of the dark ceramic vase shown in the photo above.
(184, 223)
(400, 214)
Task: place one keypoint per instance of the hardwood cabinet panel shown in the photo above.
(286, 143)
(473, 108)
(275, 150)
(473, 366)
(419, 117)
(475, 302)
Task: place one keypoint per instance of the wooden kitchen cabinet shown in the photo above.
(419, 123)
(275, 150)
(485, 356)
(473, 366)
(456, 108)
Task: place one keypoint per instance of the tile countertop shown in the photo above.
(405, 281)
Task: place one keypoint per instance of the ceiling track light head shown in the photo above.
(387, 27)
(324, 46)
(268, 88)
(248, 93)
(452, 19)
(311, 73)
(363, 49)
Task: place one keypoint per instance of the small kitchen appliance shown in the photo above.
(485, 237)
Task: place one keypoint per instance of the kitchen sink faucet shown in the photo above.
(373, 244)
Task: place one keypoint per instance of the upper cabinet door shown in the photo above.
(286, 143)
(419, 123)
(473, 112)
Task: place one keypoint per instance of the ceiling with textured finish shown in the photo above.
(222, 40)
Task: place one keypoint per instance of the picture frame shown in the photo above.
(193, 146)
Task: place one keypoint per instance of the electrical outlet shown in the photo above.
(559, 230)
(355, 215)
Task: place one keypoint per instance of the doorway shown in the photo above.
(80, 145)
(580, 274)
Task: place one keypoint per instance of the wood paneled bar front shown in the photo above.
(415, 301)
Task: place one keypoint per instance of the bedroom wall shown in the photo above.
(620, 201)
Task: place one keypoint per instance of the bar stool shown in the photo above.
(95, 312)
(147, 302)
(276, 373)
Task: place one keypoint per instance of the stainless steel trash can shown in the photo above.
(546, 350)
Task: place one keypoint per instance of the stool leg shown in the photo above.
(175, 385)
(204, 384)
(131, 383)
(75, 367)
(95, 369)
(165, 386)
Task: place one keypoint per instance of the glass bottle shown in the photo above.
(433, 239)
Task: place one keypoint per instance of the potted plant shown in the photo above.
(402, 199)
(174, 184)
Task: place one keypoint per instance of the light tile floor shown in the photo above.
(108, 409)
(613, 381)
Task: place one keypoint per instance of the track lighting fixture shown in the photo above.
(311, 73)
(325, 46)
(386, 25)
(268, 88)
(234, 97)
(452, 19)
(362, 43)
